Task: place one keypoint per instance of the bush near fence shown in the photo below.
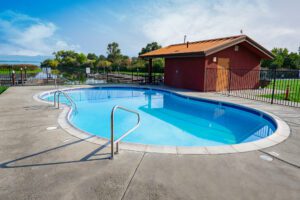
(18, 67)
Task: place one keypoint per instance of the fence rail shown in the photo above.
(272, 86)
(268, 85)
(135, 77)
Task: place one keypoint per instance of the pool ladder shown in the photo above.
(112, 140)
(57, 94)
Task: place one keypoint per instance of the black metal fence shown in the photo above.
(270, 85)
(134, 76)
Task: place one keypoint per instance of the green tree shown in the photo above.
(92, 56)
(104, 64)
(52, 63)
(158, 65)
(81, 58)
(113, 52)
(283, 59)
(150, 47)
(137, 63)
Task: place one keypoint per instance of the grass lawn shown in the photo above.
(7, 72)
(140, 73)
(292, 96)
(281, 84)
(2, 89)
(294, 89)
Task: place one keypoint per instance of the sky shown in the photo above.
(41, 27)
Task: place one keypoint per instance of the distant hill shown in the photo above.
(14, 59)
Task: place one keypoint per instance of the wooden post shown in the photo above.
(13, 77)
(22, 76)
(150, 71)
(25, 73)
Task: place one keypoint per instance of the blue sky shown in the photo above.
(40, 27)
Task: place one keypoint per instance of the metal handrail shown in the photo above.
(112, 141)
(57, 93)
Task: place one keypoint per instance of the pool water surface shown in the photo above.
(167, 118)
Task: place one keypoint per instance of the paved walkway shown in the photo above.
(40, 164)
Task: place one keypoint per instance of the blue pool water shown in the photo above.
(166, 118)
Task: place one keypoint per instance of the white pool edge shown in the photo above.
(282, 132)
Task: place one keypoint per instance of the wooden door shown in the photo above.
(222, 74)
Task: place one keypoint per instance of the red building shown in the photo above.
(212, 65)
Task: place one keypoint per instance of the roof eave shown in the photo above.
(173, 55)
(237, 41)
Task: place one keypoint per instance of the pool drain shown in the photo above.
(273, 153)
(266, 158)
(51, 128)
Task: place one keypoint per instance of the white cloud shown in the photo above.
(264, 21)
(23, 35)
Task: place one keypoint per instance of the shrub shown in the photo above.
(17, 67)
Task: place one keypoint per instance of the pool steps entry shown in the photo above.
(57, 94)
(113, 142)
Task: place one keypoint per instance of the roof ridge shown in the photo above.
(207, 40)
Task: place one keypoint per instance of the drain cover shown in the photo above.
(266, 158)
(51, 128)
(273, 153)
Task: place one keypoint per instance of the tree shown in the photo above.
(113, 52)
(52, 63)
(92, 56)
(137, 63)
(60, 56)
(283, 59)
(81, 58)
(150, 47)
(101, 57)
(105, 64)
(158, 65)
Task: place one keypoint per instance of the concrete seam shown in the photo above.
(281, 160)
(127, 187)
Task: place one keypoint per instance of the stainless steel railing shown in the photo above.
(57, 95)
(112, 141)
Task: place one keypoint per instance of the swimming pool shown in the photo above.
(167, 118)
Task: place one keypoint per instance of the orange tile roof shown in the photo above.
(204, 47)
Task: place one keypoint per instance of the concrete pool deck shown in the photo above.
(36, 163)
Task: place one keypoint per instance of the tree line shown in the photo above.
(73, 64)
(283, 59)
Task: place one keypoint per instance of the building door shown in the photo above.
(222, 74)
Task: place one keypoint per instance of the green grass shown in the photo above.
(294, 90)
(283, 84)
(139, 73)
(2, 89)
(7, 72)
(292, 97)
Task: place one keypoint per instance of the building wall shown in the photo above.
(244, 69)
(185, 73)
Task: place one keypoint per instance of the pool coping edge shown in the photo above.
(282, 132)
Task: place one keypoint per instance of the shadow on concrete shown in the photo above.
(84, 159)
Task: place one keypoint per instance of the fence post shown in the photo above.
(106, 76)
(13, 77)
(25, 73)
(22, 76)
(229, 86)
(132, 75)
(274, 84)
